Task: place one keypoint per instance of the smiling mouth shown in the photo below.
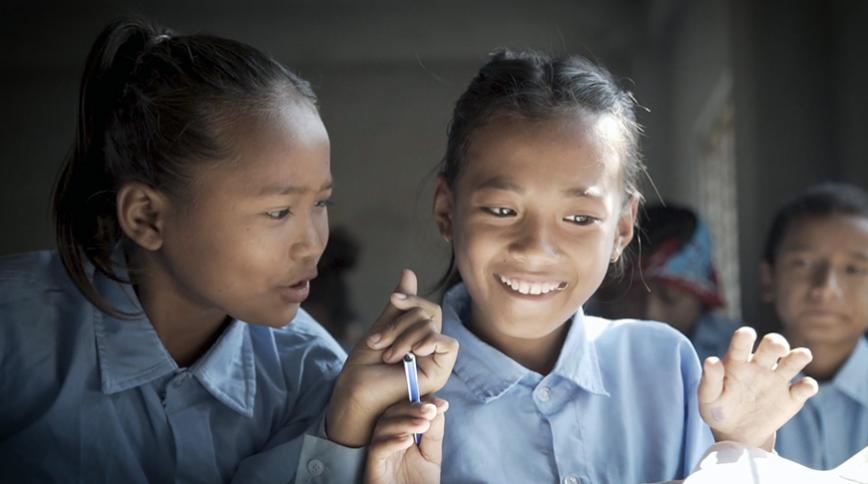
(531, 288)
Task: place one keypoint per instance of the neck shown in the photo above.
(537, 354)
(186, 327)
(829, 357)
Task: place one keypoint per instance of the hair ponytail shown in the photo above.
(84, 205)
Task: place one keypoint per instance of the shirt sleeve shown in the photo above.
(319, 460)
(299, 450)
(324, 461)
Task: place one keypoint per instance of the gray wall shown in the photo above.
(386, 73)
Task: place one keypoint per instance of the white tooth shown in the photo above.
(535, 288)
(524, 287)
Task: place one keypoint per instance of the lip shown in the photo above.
(298, 290)
(296, 293)
(822, 314)
(530, 286)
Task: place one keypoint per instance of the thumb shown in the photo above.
(431, 446)
(711, 383)
(408, 284)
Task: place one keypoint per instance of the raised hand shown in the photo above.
(748, 396)
(393, 456)
(373, 379)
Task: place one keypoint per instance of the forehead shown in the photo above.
(833, 233)
(565, 151)
(289, 146)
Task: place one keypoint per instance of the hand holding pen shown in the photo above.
(392, 453)
(371, 381)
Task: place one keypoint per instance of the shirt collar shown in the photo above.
(228, 369)
(130, 352)
(489, 373)
(851, 377)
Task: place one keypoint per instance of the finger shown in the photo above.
(741, 345)
(406, 302)
(772, 347)
(793, 363)
(431, 445)
(426, 410)
(436, 344)
(390, 331)
(381, 448)
(404, 343)
(402, 425)
(407, 284)
(711, 383)
(804, 389)
(380, 340)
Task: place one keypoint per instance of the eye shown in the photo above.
(325, 203)
(499, 211)
(856, 270)
(799, 263)
(580, 219)
(279, 214)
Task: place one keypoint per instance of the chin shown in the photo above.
(273, 319)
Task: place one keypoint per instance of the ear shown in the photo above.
(443, 208)
(767, 282)
(141, 214)
(626, 224)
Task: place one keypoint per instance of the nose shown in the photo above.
(825, 283)
(534, 240)
(311, 238)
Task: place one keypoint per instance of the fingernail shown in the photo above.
(374, 339)
(400, 295)
(429, 408)
(388, 355)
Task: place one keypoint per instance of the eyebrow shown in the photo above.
(807, 248)
(500, 183)
(290, 189)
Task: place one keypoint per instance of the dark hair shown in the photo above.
(662, 223)
(823, 200)
(150, 104)
(535, 86)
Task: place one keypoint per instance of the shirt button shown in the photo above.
(571, 479)
(544, 394)
(315, 467)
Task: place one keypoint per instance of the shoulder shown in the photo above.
(31, 271)
(651, 346)
(35, 289)
(632, 332)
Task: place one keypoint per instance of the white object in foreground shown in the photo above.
(729, 462)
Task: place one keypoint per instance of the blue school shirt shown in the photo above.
(833, 425)
(90, 398)
(620, 406)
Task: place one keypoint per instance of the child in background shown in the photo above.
(163, 340)
(537, 194)
(815, 271)
(676, 261)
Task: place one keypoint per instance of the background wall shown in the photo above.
(388, 72)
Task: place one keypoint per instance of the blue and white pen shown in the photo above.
(412, 384)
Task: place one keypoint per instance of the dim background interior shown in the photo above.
(749, 101)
